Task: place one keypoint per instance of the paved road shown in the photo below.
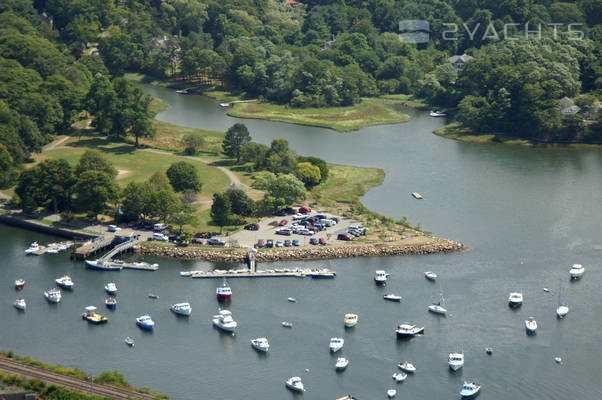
(233, 178)
(80, 385)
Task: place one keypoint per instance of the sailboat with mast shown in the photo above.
(437, 308)
(562, 309)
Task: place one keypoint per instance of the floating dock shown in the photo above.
(271, 273)
(53, 248)
(142, 266)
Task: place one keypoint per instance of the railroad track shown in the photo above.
(70, 382)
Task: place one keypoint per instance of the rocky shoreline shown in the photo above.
(438, 246)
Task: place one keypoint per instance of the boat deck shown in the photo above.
(52, 246)
(94, 318)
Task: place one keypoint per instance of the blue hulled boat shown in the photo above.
(145, 322)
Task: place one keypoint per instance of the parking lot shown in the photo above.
(269, 225)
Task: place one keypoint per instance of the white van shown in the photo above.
(160, 237)
(159, 227)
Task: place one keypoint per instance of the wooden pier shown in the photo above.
(142, 266)
(93, 247)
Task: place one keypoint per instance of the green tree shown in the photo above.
(236, 137)
(183, 175)
(193, 143)
(309, 174)
(94, 160)
(184, 216)
(240, 203)
(93, 190)
(318, 162)
(220, 210)
(165, 203)
(136, 200)
(8, 173)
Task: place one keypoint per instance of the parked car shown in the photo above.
(260, 243)
(216, 242)
(282, 222)
(296, 242)
(269, 243)
(304, 210)
(159, 227)
(345, 236)
(306, 232)
(113, 228)
(288, 243)
(355, 232)
(323, 241)
(197, 240)
(313, 241)
(279, 243)
(252, 227)
(160, 237)
(285, 232)
(298, 216)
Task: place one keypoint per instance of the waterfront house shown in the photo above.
(459, 61)
(568, 107)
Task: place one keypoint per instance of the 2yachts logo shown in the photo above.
(414, 31)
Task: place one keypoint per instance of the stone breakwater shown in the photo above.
(438, 246)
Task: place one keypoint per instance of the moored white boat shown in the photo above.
(53, 295)
(391, 393)
(287, 324)
(32, 248)
(336, 344)
(562, 310)
(181, 309)
(20, 304)
(111, 302)
(437, 308)
(292, 300)
(111, 288)
(531, 325)
(438, 113)
(576, 271)
(430, 275)
(295, 384)
(19, 284)
(224, 321)
(392, 297)
(470, 390)
(130, 341)
(350, 320)
(417, 195)
(223, 292)
(380, 277)
(341, 364)
(145, 322)
(407, 366)
(101, 265)
(455, 361)
(65, 282)
(515, 299)
(260, 344)
(400, 376)
(407, 330)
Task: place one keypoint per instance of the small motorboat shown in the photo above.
(400, 377)
(515, 299)
(407, 366)
(19, 284)
(392, 297)
(341, 364)
(489, 350)
(562, 310)
(546, 290)
(391, 393)
(32, 248)
(430, 275)
(470, 390)
(417, 195)
(20, 304)
(380, 277)
(53, 295)
(260, 344)
(65, 282)
(531, 325)
(224, 321)
(558, 360)
(102, 266)
(182, 91)
(350, 320)
(152, 296)
(438, 113)
(93, 317)
(322, 274)
(287, 324)
(145, 322)
(576, 271)
(111, 302)
(225, 105)
(336, 344)
(181, 309)
(130, 341)
(295, 384)
(111, 288)
(407, 330)
(223, 292)
(292, 300)
(437, 308)
(52, 249)
(455, 361)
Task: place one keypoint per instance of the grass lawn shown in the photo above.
(346, 184)
(457, 132)
(404, 99)
(136, 165)
(341, 119)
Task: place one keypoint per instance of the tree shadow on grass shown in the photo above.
(104, 145)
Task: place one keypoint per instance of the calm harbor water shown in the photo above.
(527, 214)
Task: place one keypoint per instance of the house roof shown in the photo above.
(566, 102)
(460, 59)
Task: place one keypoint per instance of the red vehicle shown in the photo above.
(260, 243)
(322, 241)
(304, 210)
(283, 222)
(345, 236)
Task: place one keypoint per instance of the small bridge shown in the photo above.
(120, 248)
